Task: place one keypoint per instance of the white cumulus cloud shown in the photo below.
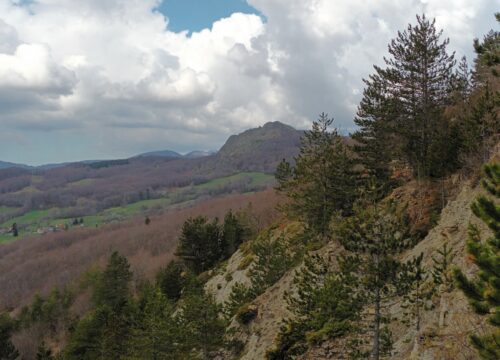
(112, 76)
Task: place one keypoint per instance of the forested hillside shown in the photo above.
(386, 247)
(101, 192)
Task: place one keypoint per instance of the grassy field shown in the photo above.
(6, 209)
(35, 219)
(253, 178)
(83, 182)
(31, 217)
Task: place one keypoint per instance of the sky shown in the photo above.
(99, 79)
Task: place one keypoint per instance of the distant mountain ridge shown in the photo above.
(7, 165)
(173, 154)
(269, 143)
(86, 186)
(260, 149)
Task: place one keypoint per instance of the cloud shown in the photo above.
(31, 67)
(111, 76)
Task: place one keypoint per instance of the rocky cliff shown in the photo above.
(446, 321)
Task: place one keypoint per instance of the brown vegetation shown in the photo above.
(37, 265)
(86, 188)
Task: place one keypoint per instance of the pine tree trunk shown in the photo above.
(442, 193)
(418, 308)
(376, 330)
(376, 324)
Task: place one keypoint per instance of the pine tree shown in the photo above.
(104, 332)
(170, 280)
(44, 353)
(232, 234)
(483, 291)
(463, 80)
(202, 326)
(154, 335)
(480, 123)
(417, 290)
(441, 271)
(200, 243)
(113, 288)
(375, 237)
(324, 305)
(488, 57)
(322, 182)
(478, 116)
(85, 340)
(273, 260)
(7, 349)
(240, 295)
(418, 79)
(375, 139)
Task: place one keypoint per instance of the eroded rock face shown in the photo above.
(444, 327)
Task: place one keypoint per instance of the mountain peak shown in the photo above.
(262, 148)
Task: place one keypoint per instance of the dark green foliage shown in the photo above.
(240, 295)
(402, 109)
(204, 243)
(7, 349)
(479, 123)
(85, 341)
(233, 234)
(44, 353)
(200, 243)
(419, 74)
(112, 288)
(105, 331)
(445, 150)
(417, 291)
(483, 291)
(155, 334)
(202, 327)
(441, 271)
(375, 138)
(376, 236)
(325, 306)
(102, 334)
(477, 117)
(14, 230)
(170, 280)
(488, 55)
(107, 163)
(246, 314)
(462, 81)
(322, 182)
(272, 260)
(283, 174)
(290, 341)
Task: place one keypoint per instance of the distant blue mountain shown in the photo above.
(172, 154)
(6, 165)
(198, 154)
(161, 153)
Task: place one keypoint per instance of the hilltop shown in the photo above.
(40, 199)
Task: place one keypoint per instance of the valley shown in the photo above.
(45, 200)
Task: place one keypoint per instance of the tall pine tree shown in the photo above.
(375, 119)
(376, 237)
(322, 182)
(417, 82)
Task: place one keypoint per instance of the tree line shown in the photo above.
(421, 112)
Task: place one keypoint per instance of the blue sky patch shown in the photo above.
(195, 15)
